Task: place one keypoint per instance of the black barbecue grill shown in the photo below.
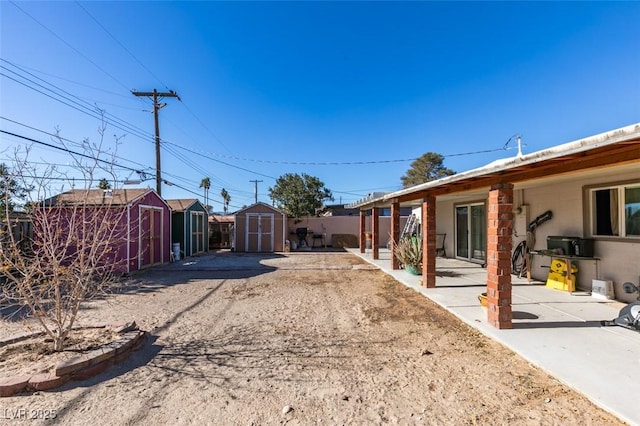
(302, 236)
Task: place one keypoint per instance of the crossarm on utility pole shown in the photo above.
(156, 107)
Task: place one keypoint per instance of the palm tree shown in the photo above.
(206, 184)
(225, 198)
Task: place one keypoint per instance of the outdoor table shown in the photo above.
(568, 258)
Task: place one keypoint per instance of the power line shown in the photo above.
(327, 163)
(68, 45)
(135, 58)
(79, 105)
(136, 131)
(120, 44)
(80, 101)
(25, 67)
(218, 161)
(111, 163)
(205, 126)
(67, 140)
(26, 161)
(80, 154)
(184, 159)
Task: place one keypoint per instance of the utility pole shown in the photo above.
(156, 107)
(255, 190)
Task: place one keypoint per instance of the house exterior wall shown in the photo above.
(619, 258)
(567, 199)
(241, 230)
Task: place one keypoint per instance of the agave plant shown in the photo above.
(409, 252)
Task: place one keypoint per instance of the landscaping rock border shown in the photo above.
(78, 368)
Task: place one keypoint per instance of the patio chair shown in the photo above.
(440, 250)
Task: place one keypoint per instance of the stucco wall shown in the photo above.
(341, 225)
(619, 260)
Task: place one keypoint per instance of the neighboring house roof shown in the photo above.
(181, 204)
(609, 148)
(112, 197)
(337, 210)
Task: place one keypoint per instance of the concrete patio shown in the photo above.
(554, 330)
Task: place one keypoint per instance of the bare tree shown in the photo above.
(77, 240)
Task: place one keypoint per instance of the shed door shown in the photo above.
(150, 236)
(197, 232)
(260, 230)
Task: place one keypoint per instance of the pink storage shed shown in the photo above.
(142, 221)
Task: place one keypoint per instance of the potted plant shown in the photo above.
(409, 252)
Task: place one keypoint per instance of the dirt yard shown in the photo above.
(302, 339)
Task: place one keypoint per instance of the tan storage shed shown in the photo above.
(259, 228)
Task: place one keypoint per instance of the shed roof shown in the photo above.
(111, 197)
(181, 205)
(259, 203)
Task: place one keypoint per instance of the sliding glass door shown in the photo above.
(471, 232)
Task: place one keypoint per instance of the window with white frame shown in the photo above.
(615, 211)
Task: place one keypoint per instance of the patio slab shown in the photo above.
(557, 331)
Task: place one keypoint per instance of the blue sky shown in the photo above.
(269, 88)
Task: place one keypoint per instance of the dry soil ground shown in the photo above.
(301, 339)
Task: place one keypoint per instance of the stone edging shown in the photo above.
(78, 368)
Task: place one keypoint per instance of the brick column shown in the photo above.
(395, 232)
(375, 230)
(429, 241)
(363, 226)
(499, 230)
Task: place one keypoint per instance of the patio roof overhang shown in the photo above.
(611, 149)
